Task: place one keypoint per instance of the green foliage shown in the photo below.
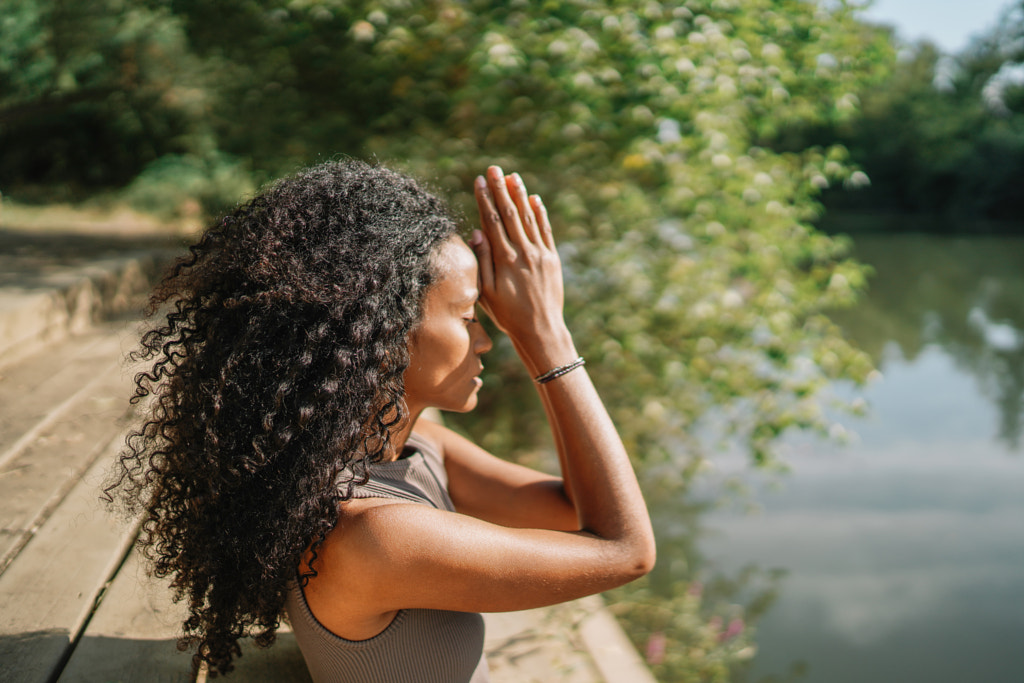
(944, 135)
(90, 92)
(184, 185)
(695, 282)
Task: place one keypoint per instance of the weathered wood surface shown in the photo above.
(38, 392)
(133, 634)
(62, 442)
(48, 591)
(133, 637)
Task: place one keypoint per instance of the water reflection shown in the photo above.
(964, 295)
(904, 550)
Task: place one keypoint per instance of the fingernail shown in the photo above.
(480, 181)
(475, 238)
(497, 171)
(518, 179)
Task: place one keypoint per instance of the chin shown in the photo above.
(468, 405)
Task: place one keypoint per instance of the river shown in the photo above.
(900, 555)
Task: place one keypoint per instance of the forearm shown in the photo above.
(598, 475)
(522, 291)
(568, 352)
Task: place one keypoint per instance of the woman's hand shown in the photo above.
(520, 272)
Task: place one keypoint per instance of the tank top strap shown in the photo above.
(417, 477)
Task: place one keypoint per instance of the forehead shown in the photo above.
(456, 267)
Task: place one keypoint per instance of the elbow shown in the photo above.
(639, 559)
(645, 558)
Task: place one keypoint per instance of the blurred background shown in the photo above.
(793, 234)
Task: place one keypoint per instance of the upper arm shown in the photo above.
(413, 556)
(496, 490)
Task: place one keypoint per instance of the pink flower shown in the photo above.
(734, 628)
(656, 648)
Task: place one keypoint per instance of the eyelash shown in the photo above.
(471, 320)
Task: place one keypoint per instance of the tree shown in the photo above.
(90, 92)
(944, 135)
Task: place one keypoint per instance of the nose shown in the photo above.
(481, 341)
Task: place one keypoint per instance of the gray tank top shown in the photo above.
(419, 645)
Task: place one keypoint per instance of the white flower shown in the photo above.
(721, 161)
(838, 283)
(642, 114)
(558, 47)
(857, 180)
(826, 61)
(685, 66)
(732, 299)
(703, 310)
(572, 131)
(726, 85)
(363, 31)
(500, 50)
(668, 131)
(847, 102)
(583, 80)
(321, 14)
(664, 33)
(838, 432)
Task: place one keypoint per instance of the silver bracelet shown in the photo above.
(555, 373)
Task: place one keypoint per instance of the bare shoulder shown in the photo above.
(337, 594)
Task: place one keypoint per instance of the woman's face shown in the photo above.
(445, 348)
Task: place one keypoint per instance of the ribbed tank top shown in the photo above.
(419, 645)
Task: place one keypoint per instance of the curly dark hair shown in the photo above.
(276, 374)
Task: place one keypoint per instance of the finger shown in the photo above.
(540, 212)
(485, 266)
(507, 208)
(490, 220)
(517, 190)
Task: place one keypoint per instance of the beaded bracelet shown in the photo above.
(555, 373)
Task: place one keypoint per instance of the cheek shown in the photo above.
(436, 350)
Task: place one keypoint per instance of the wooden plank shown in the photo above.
(133, 634)
(35, 393)
(48, 591)
(133, 637)
(34, 483)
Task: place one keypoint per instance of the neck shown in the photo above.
(400, 436)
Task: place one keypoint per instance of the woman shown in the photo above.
(285, 466)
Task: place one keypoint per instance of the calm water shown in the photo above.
(902, 554)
